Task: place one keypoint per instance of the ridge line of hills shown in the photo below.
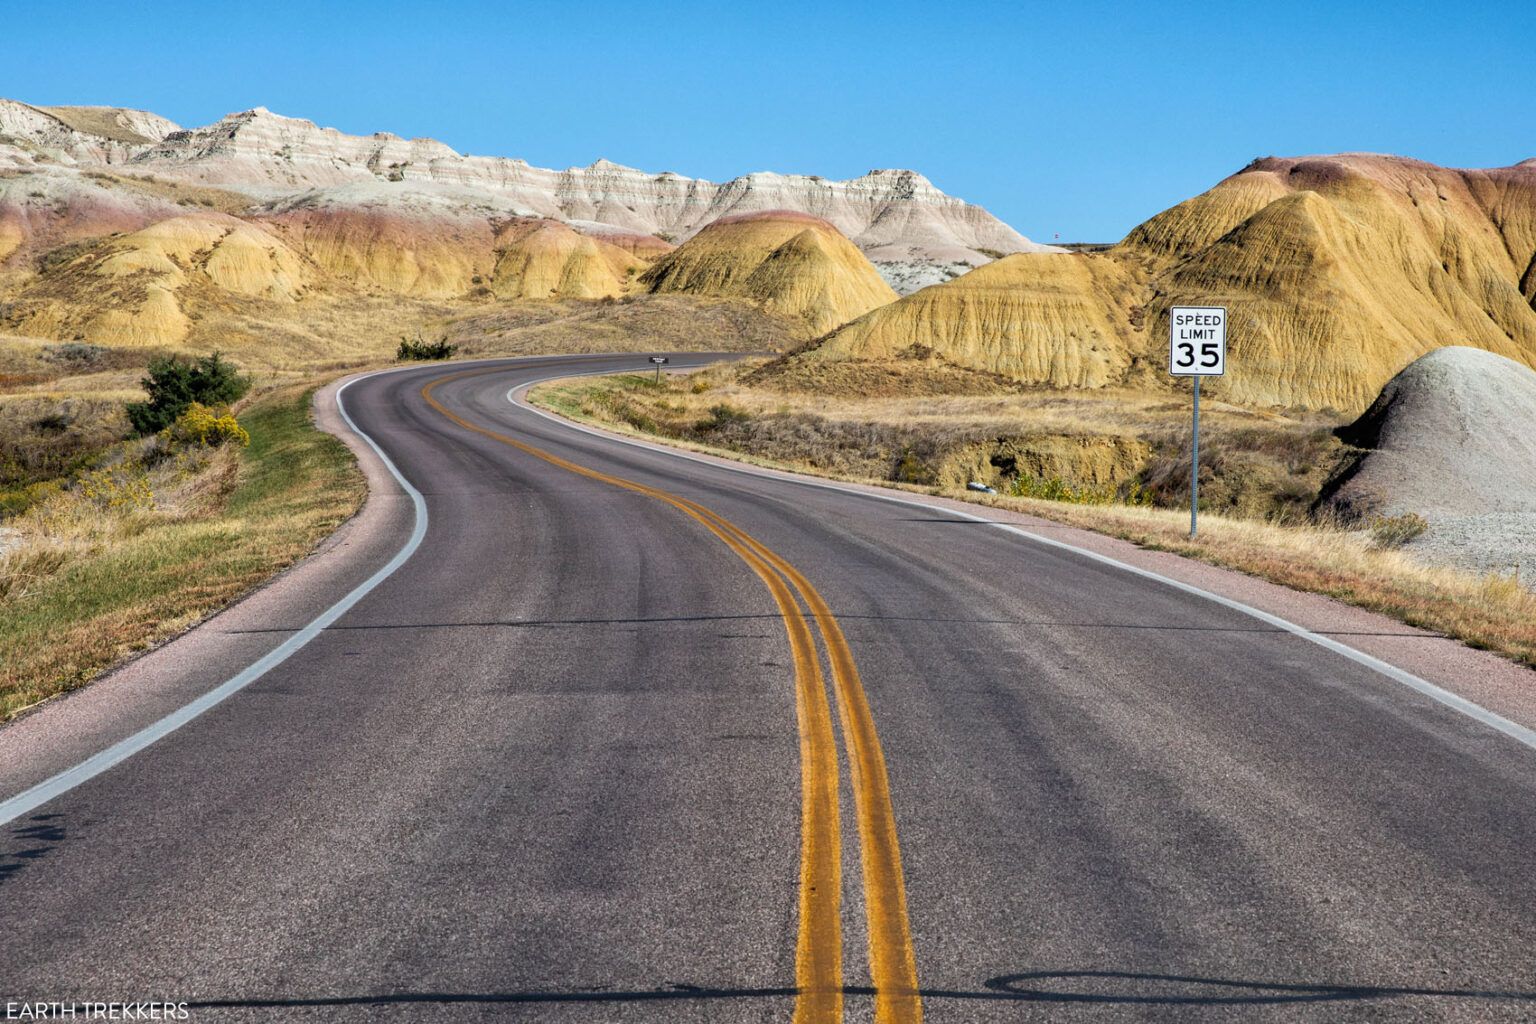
(118, 227)
(1339, 271)
(896, 216)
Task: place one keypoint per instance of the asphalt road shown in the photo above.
(570, 763)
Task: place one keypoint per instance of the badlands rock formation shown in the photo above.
(368, 218)
(438, 243)
(888, 213)
(140, 280)
(792, 264)
(544, 258)
(1451, 434)
(898, 217)
(82, 135)
(1042, 319)
(1359, 266)
(1451, 438)
(1338, 271)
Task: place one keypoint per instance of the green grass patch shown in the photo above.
(101, 602)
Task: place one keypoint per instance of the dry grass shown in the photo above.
(1256, 464)
(1493, 612)
(95, 121)
(657, 323)
(184, 194)
(137, 549)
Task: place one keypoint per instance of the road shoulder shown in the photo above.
(67, 730)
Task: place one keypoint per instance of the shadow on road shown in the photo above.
(30, 842)
(1068, 986)
(842, 616)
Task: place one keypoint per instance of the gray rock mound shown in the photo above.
(1452, 437)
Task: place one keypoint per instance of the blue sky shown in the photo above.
(1074, 118)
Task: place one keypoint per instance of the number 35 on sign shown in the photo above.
(1197, 341)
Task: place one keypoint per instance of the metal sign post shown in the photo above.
(1197, 347)
(1194, 468)
(660, 361)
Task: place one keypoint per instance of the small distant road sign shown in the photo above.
(1197, 341)
(660, 361)
(1197, 347)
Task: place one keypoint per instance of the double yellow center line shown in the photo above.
(818, 952)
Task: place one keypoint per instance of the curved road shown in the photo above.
(635, 737)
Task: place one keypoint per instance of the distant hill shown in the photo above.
(792, 264)
(916, 231)
(1339, 271)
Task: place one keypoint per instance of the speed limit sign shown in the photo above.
(1197, 347)
(1197, 341)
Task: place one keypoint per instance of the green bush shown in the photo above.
(174, 384)
(419, 349)
(727, 413)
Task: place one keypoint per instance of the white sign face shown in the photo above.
(1197, 341)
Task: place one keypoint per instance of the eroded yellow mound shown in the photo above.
(1338, 272)
(1360, 266)
(378, 249)
(543, 259)
(1042, 318)
(792, 264)
(132, 289)
(232, 254)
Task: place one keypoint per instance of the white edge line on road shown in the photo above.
(1514, 730)
(31, 799)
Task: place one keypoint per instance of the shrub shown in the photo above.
(203, 426)
(726, 413)
(119, 488)
(1395, 531)
(52, 423)
(73, 353)
(911, 468)
(174, 384)
(419, 349)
